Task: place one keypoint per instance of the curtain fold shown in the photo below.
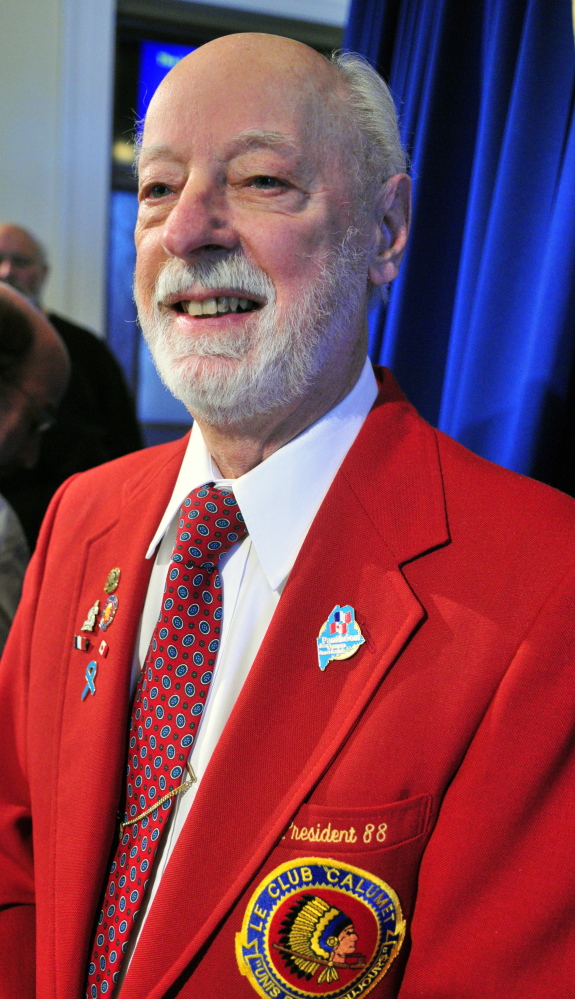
(480, 326)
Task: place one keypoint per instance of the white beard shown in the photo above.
(229, 377)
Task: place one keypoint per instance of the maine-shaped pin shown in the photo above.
(340, 636)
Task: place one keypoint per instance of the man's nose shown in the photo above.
(199, 220)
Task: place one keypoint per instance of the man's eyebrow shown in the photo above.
(157, 151)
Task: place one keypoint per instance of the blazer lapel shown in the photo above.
(288, 709)
(94, 730)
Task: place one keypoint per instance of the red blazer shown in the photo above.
(449, 733)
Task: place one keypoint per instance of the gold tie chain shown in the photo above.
(177, 790)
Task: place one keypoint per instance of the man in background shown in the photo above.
(34, 369)
(95, 421)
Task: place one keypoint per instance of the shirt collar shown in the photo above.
(280, 497)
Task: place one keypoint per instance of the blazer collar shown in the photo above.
(394, 471)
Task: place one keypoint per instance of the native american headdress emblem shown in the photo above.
(311, 936)
(305, 923)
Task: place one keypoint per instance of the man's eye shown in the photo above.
(157, 191)
(267, 183)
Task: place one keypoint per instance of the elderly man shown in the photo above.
(34, 368)
(96, 420)
(288, 705)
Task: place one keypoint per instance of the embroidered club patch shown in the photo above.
(340, 637)
(319, 927)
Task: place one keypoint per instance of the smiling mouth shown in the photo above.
(216, 306)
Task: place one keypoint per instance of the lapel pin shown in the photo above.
(112, 580)
(82, 643)
(103, 649)
(91, 671)
(90, 622)
(340, 637)
(108, 612)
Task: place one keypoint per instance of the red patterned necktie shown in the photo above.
(166, 714)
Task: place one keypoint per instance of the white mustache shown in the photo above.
(234, 272)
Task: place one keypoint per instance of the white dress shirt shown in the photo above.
(279, 499)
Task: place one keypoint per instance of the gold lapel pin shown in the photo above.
(112, 580)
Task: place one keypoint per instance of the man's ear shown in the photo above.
(393, 213)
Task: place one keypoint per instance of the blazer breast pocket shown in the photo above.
(387, 841)
(322, 829)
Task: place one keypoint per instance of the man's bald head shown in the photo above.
(249, 66)
(349, 107)
(23, 262)
(34, 370)
(253, 57)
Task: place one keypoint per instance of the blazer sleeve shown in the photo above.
(17, 890)
(496, 897)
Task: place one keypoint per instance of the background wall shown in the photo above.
(56, 63)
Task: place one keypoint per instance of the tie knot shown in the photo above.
(210, 524)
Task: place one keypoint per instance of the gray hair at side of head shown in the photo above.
(371, 111)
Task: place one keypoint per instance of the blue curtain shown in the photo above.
(480, 326)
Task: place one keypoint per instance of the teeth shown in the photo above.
(222, 304)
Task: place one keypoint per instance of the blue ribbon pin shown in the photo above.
(91, 671)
